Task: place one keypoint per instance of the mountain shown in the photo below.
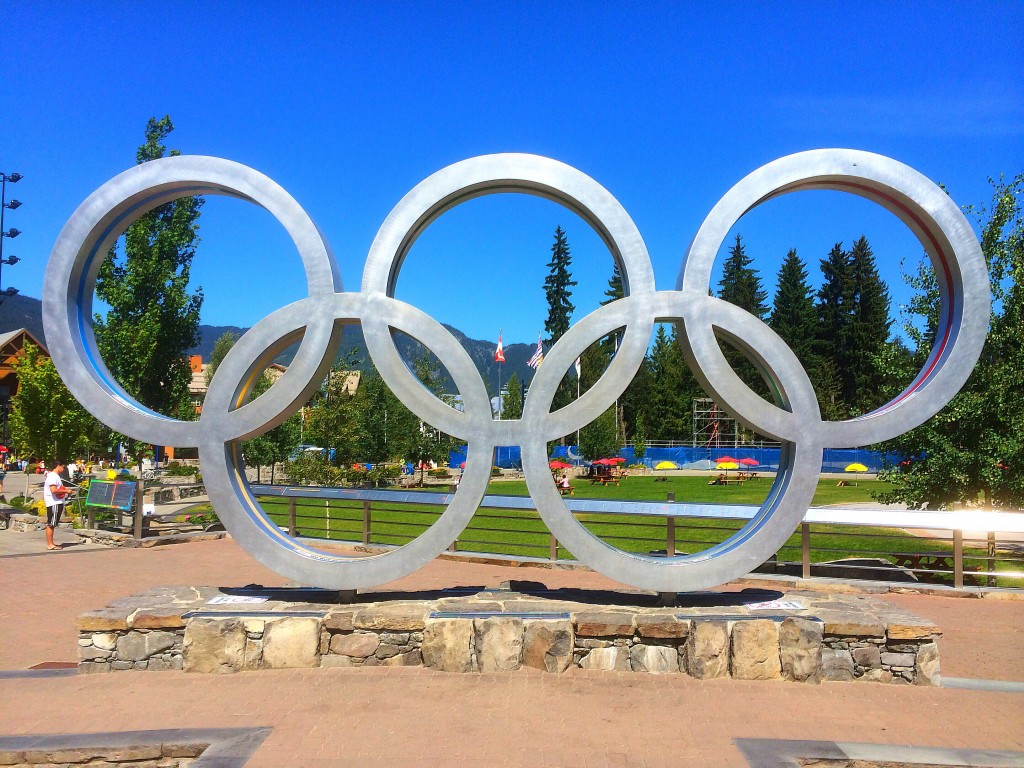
(22, 312)
(26, 312)
(353, 348)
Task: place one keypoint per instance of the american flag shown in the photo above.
(538, 355)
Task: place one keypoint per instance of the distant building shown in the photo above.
(197, 387)
(11, 345)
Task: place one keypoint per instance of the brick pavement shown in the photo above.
(385, 716)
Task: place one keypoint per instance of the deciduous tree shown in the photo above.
(973, 450)
(153, 318)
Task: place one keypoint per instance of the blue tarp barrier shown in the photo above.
(834, 459)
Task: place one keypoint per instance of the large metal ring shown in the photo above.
(794, 418)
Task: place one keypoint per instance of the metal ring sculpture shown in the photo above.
(794, 419)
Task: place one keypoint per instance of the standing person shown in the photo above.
(54, 494)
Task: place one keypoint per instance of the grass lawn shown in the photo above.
(523, 533)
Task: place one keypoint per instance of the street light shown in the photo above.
(12, 233)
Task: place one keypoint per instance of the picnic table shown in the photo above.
(924, 563)
(612, 478)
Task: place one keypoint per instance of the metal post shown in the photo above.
(91, 512)
(553, 548)
(292, 529)
(670, 536)
(958, 559)
(140, 492)
(366, 522)
(990, 564)
(805, 550)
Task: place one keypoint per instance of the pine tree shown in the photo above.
(740, 283)
(835, 301)
(863, 378)
(558, 288)
(672, 391)
(794, 316)
(558, 292)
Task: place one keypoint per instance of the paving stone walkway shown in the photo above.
(412, 716)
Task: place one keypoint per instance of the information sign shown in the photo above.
(118, 494)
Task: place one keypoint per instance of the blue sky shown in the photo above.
(349, 105)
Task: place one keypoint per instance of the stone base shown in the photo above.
(128, 540)
(737, 635)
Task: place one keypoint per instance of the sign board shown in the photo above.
(118, 494)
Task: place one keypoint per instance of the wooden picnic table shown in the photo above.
(924, 563)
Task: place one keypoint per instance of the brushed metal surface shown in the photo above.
(793, 418)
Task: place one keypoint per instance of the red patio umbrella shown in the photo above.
(750, 462)
(556, 464)
(722, 459)
(603, 462)
(617, 460)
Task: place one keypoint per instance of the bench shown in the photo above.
(566, 491)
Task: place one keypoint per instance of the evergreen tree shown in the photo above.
(835, 302)
(740, 283)
(863, 378)
(558, 288)
(153, 319)
(794, 316)
(512, 403)
(672, 390)
(558, 292)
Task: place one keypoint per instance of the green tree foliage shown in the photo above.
(973, 450)
(835, 309)
(45, 420)
(153, 319)
(639, 438)
(420, 442)
(512, 403)
(670, 409)
(794, 316)
(380, 418)
(740, 283)
(598, 439)
(221, 347)
(332, 421)
(863, 378)
(558, 288)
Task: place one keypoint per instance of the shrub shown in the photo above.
(439, 472)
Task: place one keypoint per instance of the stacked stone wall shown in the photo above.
(172, 628)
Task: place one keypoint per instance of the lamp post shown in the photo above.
(12, 233)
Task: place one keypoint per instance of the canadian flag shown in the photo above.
(499, 353)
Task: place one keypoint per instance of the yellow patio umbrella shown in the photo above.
(856, 467)
(727, 465)
(665, 465)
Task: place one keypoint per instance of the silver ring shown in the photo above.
(793, 419)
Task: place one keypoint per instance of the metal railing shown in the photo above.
(983, 549)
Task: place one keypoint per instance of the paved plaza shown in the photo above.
(414, 716)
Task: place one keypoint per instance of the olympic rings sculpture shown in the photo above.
(794, 419)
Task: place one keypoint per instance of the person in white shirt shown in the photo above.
(54, 494)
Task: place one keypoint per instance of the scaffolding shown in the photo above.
(713, 427)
